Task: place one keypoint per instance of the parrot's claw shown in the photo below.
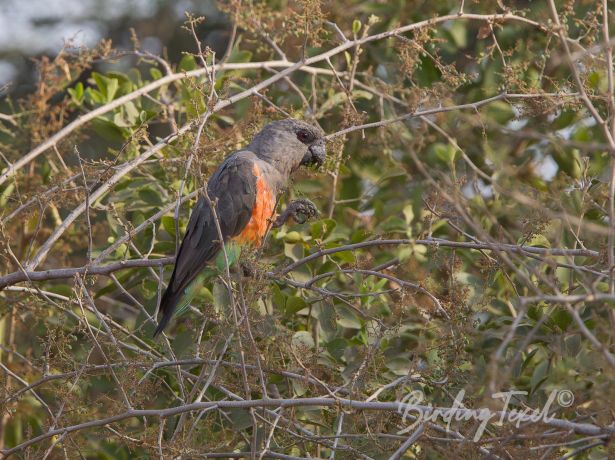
(299, 210)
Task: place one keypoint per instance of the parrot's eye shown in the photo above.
(304, 136)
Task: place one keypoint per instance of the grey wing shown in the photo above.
(232, 189)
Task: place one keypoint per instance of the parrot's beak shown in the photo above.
(316, 154)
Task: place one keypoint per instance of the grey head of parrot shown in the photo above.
(290, 143)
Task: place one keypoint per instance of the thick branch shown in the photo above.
(347, 404)
(471, 105)
(61, 273)
(444, 243)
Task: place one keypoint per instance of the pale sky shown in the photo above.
(32, 27)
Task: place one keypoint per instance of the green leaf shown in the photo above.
(528, 359)
(337, 347)
(539, 375)
(399, 366)
(277, 298)
(187, 63)
(539, 241)
(573, 345)
(293, 251)
(327, 318)
(500, 112)
(561, 318)
(302, 341)
(150, 196)
(299, 388)
(112, 86)
(344, 257)
(393, 224)
(93, 97)
(108, 130)
(240, 418)
(132, 113)
(565, 119)
(6, 193)
(594, 80)
(101, 82)
(458, 32)
(155, 73)
(409, 213)
(76, 93)
(569, 161)
(240, 56)
(222, 301)
(294, 304)
(341, 97)
(322, 229)
(348, 318)
(444, 153)
(168, 223)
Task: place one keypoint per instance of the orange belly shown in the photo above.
(262, 213)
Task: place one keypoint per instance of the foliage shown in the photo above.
(499, 149)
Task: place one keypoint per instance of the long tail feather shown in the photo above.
(176, 303)
(167, 307)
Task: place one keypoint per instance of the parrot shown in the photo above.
(242, 194)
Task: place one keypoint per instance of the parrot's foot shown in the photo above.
(299, 210)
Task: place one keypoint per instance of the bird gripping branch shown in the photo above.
(244, 191)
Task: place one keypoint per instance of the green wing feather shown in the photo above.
(190, 292)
